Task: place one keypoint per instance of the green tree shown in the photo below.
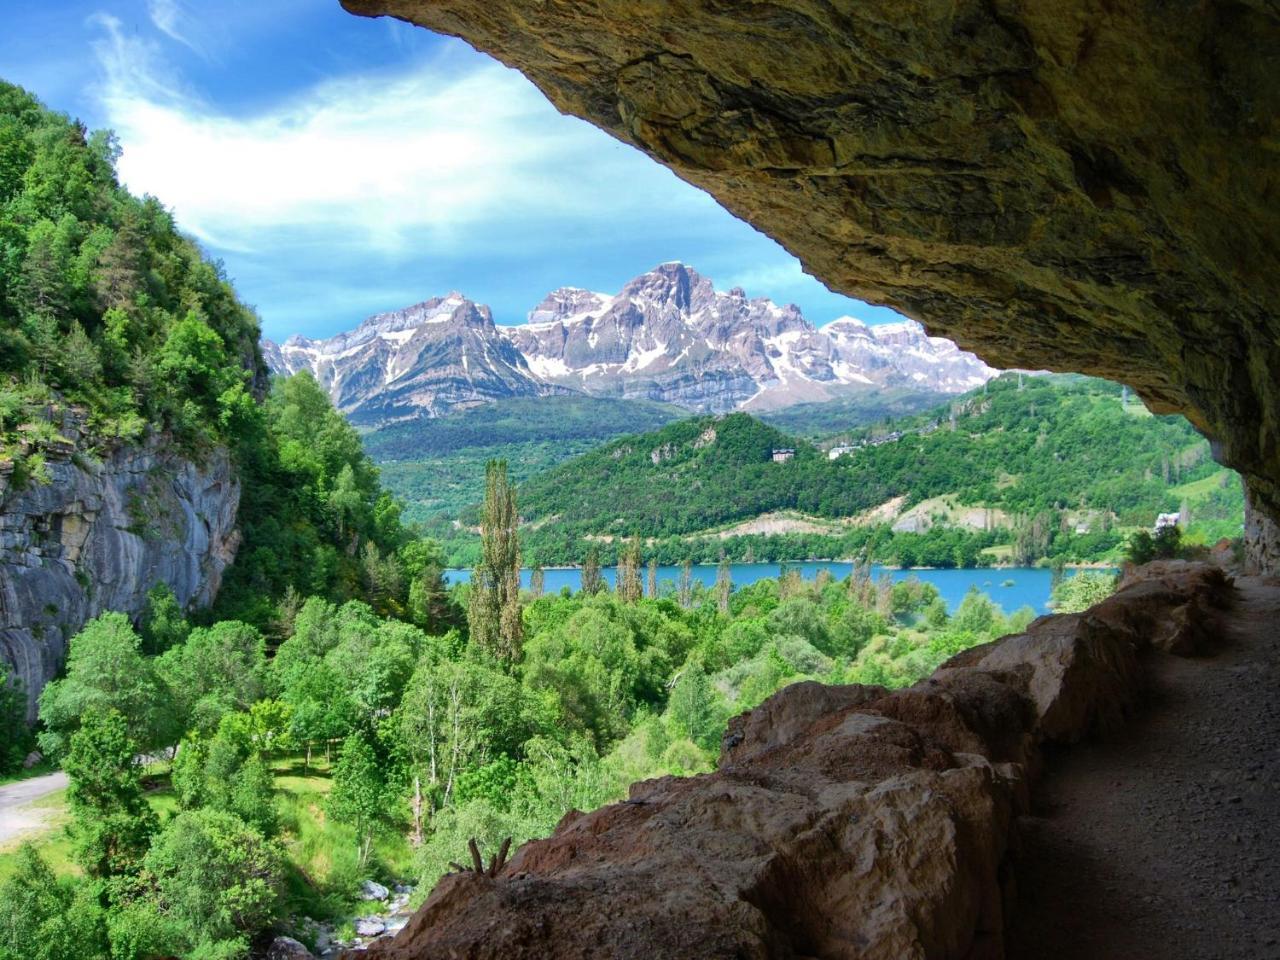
(494, 611)
(42, 918)
(219, 670)
(628, 580)
(691, 709)
(359, 794)
(106, 670)
(111, 823)
(978, 615)
(724, 586)
(15, 738)
(218, 879)
(685, 588)
(163, 624)
(592, 579)
(1081, 591)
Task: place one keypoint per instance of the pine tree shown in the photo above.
(118, 276)
(653, 579)
(494, 612)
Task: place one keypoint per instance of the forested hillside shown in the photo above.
(1049, 457)
(815, 421)
(437, 464)
(107, 310)
(103, 304)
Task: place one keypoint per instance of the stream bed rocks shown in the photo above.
(842, 822)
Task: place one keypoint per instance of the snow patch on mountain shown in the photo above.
(668, 335)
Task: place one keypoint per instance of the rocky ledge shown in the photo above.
(98, 535)
(842, 822)
(1076, 185)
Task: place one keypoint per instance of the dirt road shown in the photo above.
(18, 816)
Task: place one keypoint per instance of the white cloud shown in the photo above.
(454, 145)
(169, 16)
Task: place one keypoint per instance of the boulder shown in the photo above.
(372, 890)
(32, 759)
(370, 927)
(287, 948)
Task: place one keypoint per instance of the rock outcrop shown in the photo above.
(1074, 185)
(842, 821)
(99, 535)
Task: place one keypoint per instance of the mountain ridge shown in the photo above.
(668, 336)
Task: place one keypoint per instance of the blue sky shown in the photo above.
(341, 166)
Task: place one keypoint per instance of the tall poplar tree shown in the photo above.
(629, 588)
(494, 614)
(724, 585)
(592, 581)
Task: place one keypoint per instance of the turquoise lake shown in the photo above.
(1010, 587)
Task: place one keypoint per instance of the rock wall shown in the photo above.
(101, 534)
(1261, 539)
(843, 821)
(1065, 184)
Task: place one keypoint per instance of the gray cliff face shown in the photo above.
(101, 534)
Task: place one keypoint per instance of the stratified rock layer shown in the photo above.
(98, 536)
(1062, 184)
(843, 822)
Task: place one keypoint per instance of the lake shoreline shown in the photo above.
(1009, 586)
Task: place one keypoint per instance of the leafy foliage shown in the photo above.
(103, 304)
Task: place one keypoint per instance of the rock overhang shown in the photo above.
(1069, 185)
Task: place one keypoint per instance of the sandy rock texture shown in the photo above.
(102, 532)
(842, 821)
(1066, 184)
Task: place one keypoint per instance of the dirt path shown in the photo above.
(1165, 842)
(17, 815)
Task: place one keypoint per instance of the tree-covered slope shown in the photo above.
(1025, 445)
(518, 420)
(107, 311)
(103, 304)
(814, 421)
(436, 464)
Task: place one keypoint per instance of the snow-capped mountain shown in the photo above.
(668, 335)
(420, 361)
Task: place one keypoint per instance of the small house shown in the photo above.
(783, 455)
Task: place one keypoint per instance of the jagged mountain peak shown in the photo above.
(667, 335)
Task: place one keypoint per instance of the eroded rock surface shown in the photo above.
(1064, 184)
(842, 822)
(98, 536)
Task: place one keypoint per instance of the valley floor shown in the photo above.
(1165, 841)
